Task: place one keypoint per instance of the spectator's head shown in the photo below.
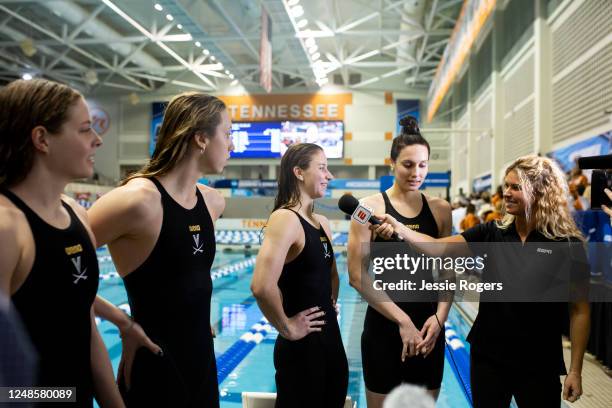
(471, 209)
(486, 196)
(408, 395)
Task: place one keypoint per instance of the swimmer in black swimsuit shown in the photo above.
(402, 342)
(48, 263)
(296, 286)
(159, 226)
(516, 347)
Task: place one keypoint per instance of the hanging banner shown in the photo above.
(265, 52)
(482, 183)
(595, 146)
(472, 19)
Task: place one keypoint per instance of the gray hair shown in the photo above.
(408, 395)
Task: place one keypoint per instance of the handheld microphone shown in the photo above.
(360, 213)
(595, 162)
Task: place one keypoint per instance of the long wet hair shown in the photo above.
(185, 115)
(25, 105)
(298, 155)
(410, 135)
(546, 191)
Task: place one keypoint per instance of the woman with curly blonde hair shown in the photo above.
(508, 338)
(545, 193)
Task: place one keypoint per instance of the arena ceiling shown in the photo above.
(172, 45)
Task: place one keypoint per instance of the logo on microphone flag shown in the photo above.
(362, 214)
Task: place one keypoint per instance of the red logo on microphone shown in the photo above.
(362, 214)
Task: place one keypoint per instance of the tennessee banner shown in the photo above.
(287, 107)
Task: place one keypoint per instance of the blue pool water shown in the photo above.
(244, 343)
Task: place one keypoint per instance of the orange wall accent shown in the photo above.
(348, 136)
(387, 161)
(388, 98)
(348, 161)
(388, 135)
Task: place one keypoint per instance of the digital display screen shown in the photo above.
(268, 140)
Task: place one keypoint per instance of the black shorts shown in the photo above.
(381, 350)
(158, 381)
(494, 383)
(313, 371)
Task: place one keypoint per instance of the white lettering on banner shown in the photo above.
(295, 111)
(270, 111)
(284, 111)
(368, 184)
(307, 110)
(257, 112)
(332, 109)
(320, 110)
(244, 111)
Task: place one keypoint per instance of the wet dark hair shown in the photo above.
(297, 155)
(185, 115)
(411, 135)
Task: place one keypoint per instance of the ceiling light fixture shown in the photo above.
(179, 26)
(198, 44)
(91, 77)
(297, 11)
(158, 7)
(163, 46)
(26, 77)
(27, 47)
(306, 38)
(169, 17)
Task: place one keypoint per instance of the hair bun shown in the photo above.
(410, 125)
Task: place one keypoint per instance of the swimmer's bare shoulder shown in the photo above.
(125, 210)
(17, 248)
(215, 202)
(375, 202)
(441, 210)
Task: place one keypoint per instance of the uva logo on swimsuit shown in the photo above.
(197, 247)
(76, 261)
(325, 248)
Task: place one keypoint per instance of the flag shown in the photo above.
(265, 52)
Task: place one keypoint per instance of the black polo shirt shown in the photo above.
(521, 333)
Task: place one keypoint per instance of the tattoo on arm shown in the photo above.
(284, 330)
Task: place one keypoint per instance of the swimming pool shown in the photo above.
(245, 342)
